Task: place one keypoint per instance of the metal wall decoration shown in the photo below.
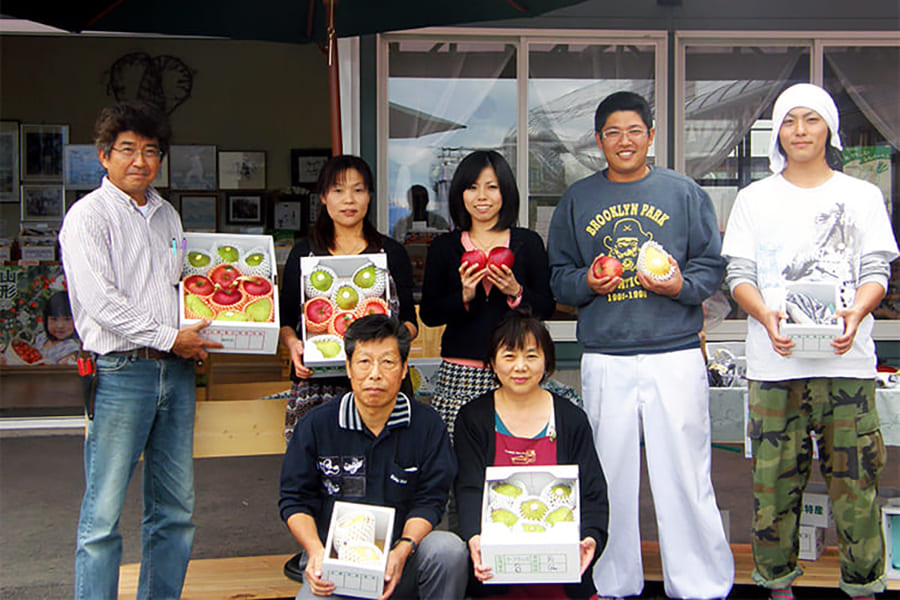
(164, 81)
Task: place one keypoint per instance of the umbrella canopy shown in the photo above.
(296, 21)
(408, 122)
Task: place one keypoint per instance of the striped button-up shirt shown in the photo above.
(122, 270)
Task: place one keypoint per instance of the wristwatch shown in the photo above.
(410, 541)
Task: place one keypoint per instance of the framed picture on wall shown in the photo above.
(288, 215)
(162, 176)
(82, 169)
(192, 167)
(42, 202)
(244, 209)
(242, 170)
(9, 161)
(198, 212)
(306, 164)
(42, 152)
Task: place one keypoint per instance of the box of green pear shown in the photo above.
(531, 524)
(335, 291)
(242, 269)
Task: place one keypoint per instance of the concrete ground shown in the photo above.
(41, 482)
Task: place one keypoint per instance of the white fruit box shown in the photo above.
(816, 508)
(323, 345)
(813, 340)
(890, 522)
(812, 542)
(350, 575)
(532, 550)
(236, 337)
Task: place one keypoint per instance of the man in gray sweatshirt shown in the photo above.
(642, 370)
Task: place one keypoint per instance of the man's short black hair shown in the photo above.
(622, 101)
(143, 118)
(377, 327)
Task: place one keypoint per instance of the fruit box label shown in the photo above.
(530, 529)
(254, 254)
(359, 579)
(335, 291)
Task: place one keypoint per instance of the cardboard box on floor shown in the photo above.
(812, 542)
(517, 556)
(237, 337)
(890, 522)
(816, 508)
(358, 579)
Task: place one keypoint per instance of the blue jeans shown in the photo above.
(141, 406)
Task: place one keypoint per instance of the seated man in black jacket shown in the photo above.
(401, 457)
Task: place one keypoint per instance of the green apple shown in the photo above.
(228, 253)
(194, 304)
(501, 515)
(346, 298)
(230, 315)
(365, 278)
(198, 259)
(254, 260)
(259, 311)
(328, 348)
(508, 489)
(560, 515)
(321, 280)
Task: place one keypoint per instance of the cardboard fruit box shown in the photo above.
(531, 523)
(813, 340)
(237, 336)
(356, 549)
(335, 291)
(812, 542)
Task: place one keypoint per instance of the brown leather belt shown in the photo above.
(145, 353)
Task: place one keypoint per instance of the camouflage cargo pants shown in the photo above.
(842, 413)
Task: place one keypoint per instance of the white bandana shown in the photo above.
(809, 96)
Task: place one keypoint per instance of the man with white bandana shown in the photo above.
(810, 223)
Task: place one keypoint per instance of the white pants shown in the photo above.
(667, 394)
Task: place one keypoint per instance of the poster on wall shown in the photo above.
(42, 151)
(36, 325)
(9, 161)
(82, 169)
(872, 164)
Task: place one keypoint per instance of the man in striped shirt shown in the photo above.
(122, 254)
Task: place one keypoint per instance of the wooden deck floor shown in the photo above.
(254, 577)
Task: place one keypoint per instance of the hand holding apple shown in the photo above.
(604, 275)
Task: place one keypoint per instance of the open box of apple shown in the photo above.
(335, 291)
(231, 279)
(530, 524)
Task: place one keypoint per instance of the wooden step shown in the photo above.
(253, 577)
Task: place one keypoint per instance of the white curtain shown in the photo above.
(870, 77)
(719, 113)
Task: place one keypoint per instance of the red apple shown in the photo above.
(501, 256)
(199, 285)
(606, 266)
(256, 286)
(372, 306)
(341, 322)
(475, 257)
(227, 296)
(225, 275)
(318, 310)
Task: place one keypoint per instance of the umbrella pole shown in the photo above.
(334, 81)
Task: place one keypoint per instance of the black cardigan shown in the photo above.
(469, 330)
(474, 443)
(398, 265)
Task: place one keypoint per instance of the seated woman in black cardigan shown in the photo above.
(520, 418)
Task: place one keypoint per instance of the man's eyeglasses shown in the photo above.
(614, 135)
(365, 364)
(147, 153)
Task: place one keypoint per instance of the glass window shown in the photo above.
(863, 82)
